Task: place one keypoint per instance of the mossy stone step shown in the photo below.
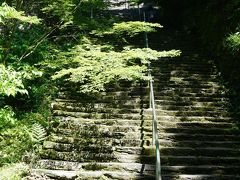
(206, 104)
(200, 151)
(67, 165)
(190, 113)
(179, 82)
(199, 143)
(90, 129)
(203, 176)
(96, 115)
(60, 147)
(196, 118)
(199, 160)
(191, 76)
(86, 156)
(92, 105)
(123, 136)
(132, 141)
(168, 63)
(136, 102)
(223, 170)
(71, 121)
(100, 141)
(198, 137)
(178, 150)
(176, 90)
(98, 131)
(184, 70)
(177, 93)
(74, 108)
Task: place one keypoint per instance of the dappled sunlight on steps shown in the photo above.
(109, 136)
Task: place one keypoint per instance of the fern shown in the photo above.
(37, 133)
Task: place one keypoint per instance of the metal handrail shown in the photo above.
(155, 140)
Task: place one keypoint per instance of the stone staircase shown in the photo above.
(109, 136)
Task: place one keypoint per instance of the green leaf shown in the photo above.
(7, 12)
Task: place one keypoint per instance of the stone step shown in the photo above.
(211, 104)
(189, 98)
(92, 105)
(89, 156)
(197, 137)
(78, 148)
(57, 174)
(138, 167)
(199, 160)
(95, 115)
(184, 72)
(166, 151)
(67, 165)
(223, 170)
(129, 155)
(176, 90)
(147, 141)
(184, 94)
(200, 151)
(140, 96)
(158, 87)
(162, 102)
(137, 133)
(200, 176)
(190, 76)
(168, 63)
(109, 129)
(86, 175)
(106, 141)
(71, 121)
(171, 81)
(181, 83)
(99, 102)
(159, 96)
(197, 118)
(149, 168)
(74, 108)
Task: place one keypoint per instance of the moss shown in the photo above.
(94, 167)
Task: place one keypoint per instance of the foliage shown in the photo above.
(14, 171)
(95, 66)
(233, 42)
(11, 81)
(11, 22)
(18, 135)
(7, 13)
(131, 28)
(59, 8)
(7, 118)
